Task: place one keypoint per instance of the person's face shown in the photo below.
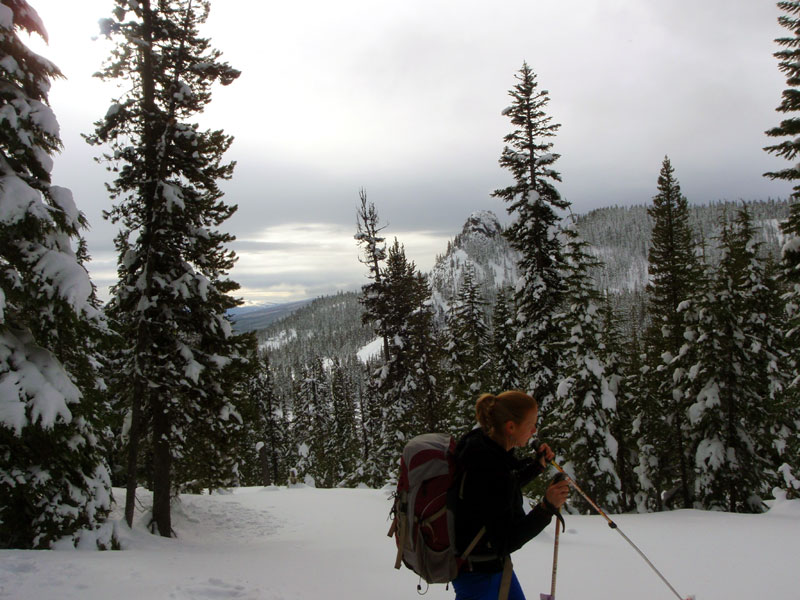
(521, 433)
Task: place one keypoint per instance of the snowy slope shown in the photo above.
(303, 543)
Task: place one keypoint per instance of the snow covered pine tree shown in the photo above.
(533, 200)
(790, 275)
(54, 483)
(181, 357)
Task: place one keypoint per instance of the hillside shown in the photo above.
(620, 236)
(258, 317)
(325, 327)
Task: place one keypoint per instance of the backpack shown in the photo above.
(422, 524)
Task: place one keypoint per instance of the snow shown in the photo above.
(18, 199)
(36, 388)
(371, 350)
(303, 543)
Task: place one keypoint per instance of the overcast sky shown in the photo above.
(404, 99)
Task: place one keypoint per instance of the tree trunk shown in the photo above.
(162, 466)
(133, 457)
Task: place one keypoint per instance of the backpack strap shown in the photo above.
(473, 543)
(505, 580)
(401, 525)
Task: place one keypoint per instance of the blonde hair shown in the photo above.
(493, 412)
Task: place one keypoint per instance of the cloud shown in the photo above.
(294, 261)
(404, 99)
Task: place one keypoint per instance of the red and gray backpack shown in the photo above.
(422, 525)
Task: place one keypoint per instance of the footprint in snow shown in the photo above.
(213, 588)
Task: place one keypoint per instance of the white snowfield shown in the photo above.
(309, 544)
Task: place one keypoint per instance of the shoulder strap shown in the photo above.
(473, 543)
(505, 580)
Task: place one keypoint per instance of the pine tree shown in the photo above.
(581, 419)
(173, 291)
(666, 454)
(367, 468)
(311, 426)
(374, 250)
(54, 481)
(533, 200)
(620, 355)
(263, 449)
(341, 443)
(504, 343)
(469, 352)
(790, 265)
(409, 382)
(729, 373)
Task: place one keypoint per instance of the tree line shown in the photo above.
(697, 407)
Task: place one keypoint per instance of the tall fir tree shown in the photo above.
(173, 290)
(533, 200)
(54, 480)
(675, 274)
(790, 253)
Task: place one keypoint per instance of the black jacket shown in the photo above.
(487, 491)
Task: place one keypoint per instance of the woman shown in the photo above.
(488, 494)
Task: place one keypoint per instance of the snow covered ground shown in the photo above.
(303, 543)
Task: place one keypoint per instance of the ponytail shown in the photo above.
(493, 412)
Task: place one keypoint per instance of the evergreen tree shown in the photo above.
(533, 200)
(790, 264)
(341, 443)
(729, 373)
(373, 245)
(790, 126)
(54, 481)
(469, 353)
(410, 384)
(620, 356)
(173, 291)
(311, 426)
(666, 451)
(264, 450)
(581, 420)
(504, 343)
(367, 468)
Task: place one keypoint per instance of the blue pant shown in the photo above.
(485, 586)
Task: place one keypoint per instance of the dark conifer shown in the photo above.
(173, 290)
(533, 200)
(789, 128)
(675, 276)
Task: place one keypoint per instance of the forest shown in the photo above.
(669, 382)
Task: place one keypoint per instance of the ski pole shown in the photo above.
(560, 521)
(616, 528)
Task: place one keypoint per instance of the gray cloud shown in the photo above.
(404, 99)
